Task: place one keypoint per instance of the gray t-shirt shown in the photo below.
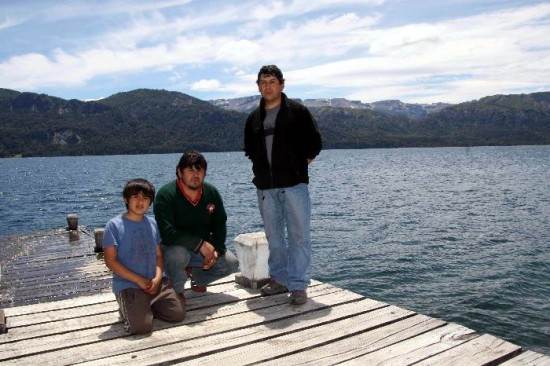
(269, 129)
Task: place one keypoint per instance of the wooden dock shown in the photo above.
(59, 310)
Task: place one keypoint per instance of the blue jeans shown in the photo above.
(289, 255)
(177, 258)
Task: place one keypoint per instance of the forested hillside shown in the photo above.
(160, 121)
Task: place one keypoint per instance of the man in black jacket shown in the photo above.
(281, 138)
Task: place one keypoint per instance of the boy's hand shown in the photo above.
(154, 286)
(143, 284)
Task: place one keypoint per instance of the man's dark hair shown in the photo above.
(136, 186)
(272, 70)
(192, 159)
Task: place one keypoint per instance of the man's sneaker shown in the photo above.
(298, 297)
(194, 286)
(273, 288)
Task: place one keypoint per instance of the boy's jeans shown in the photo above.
(288, 260)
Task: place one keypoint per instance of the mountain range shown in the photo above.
(392, 107)
(160, 121)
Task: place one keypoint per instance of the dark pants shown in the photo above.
(138, 308)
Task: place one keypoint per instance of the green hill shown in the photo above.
(160, 121)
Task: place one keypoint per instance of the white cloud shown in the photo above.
(206, 85)
(9, 22)
(465, 59)
(339, 48)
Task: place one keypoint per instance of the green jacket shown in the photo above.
(181, 223)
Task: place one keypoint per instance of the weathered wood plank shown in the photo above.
(61, 305)
(356, 345)
(528, 358)
(196, 325)
(54, 293)
(53, 254)
(309, 340)
(55, 316)
(80, 285)
(417, 348)
(278, 321)
(482, 350)
(63, 279)
(52, 322)
(81, 307)
(25, 274)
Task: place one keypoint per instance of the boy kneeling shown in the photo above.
(131, 247)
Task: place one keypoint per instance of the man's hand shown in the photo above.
(210, 255)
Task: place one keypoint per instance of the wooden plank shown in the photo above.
(55, 297)
(204, 322)
(72, 280)
(52, 322)
(528, 358)
(63, 279)
(53, 254)
(417, 348)
(88, 330)
(58, 320)
(38, 256)
(39, 333)
(59, 305)
(25, 275)
(18, 297)
(482, 350)
(79, 307)
(311, 340)
(54, 316)
(284, 319)
(350, 347)
(55, 269)
(200, 306)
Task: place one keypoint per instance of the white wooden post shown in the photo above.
(252, 252)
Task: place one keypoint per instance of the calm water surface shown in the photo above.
(460, 234)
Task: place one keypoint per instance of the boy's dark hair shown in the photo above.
(272, 70)
(192, 159)
(136, 186)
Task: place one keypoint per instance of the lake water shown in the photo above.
(460, 234)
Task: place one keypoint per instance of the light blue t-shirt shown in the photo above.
(136, 247)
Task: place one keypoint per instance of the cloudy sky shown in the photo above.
(369, 50)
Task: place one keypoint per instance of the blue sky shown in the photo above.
(369, 50)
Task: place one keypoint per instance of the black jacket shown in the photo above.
(295, 140)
